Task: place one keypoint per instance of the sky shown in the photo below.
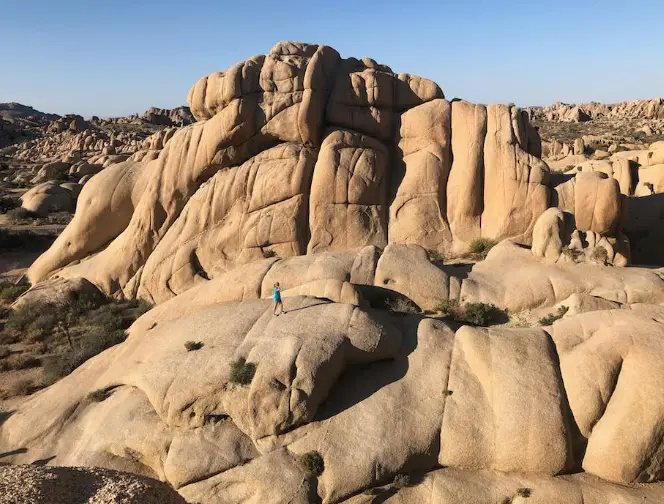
(117, 57)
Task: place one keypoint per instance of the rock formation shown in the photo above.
(346, 183)
(292, 153)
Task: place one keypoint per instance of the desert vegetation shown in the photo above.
(478, 314)
(59, 338)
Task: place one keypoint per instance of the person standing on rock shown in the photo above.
(276, 297)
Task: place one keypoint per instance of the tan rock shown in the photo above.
(604, 358)
(465, 199)
(235, 218)
(407, 269)
(46, 198)
(514, 427)
(548, 234)
(103, 210)
(597, 204)
(418, 210)
(348, 203)
(515, 191)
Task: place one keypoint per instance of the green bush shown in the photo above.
(193, 345)
(42, 327)
(448, 308)
(313, 463)
(480, 247)
(22, 317)
(242, 372)
(524, 492)
(10, 292)
(482, 314)
(479, 314)
(267, 253)
(552, 317)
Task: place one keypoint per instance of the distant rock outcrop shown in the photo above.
(180, 116)
(15, 110)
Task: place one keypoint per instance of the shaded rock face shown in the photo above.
(294, 152)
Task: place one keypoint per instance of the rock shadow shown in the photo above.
(359, 383)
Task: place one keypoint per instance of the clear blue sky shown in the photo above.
(115, 57)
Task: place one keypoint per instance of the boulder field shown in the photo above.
(347, 184)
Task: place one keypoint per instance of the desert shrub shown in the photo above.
(242, 372)
(552, 317)
(98, 395)
(22, 361)
(524, 492)
(448, 307)
(10, 292)
(481, 314)
(480, 247)
(141, 307)
(103, 318)
(7, 204)
(267, 253)
(84, 302)
(42, 327)
(401, 481)
(401, 305)
(87, 324)
(435, 256)
(313, 463)
(22, 317)
(600, 254)
(4, 352)
(19, 214)
(5, 311)
(193, 345)
(24, 239)
(20, 387)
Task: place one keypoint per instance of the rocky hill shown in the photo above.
(15, 111)
(461, 322)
